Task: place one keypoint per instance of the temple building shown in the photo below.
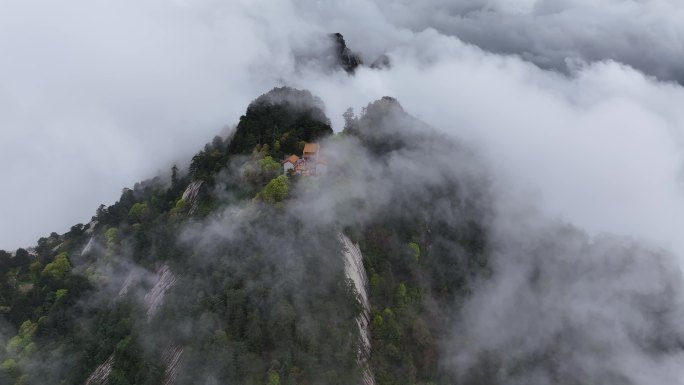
(310, 164)
(290, 163)
(310, 151)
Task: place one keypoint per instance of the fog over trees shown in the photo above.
(481, 192)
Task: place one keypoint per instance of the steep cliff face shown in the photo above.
(163, 281)
(191, 195)
(100, 375)
(155, 297)
(346, 59)
(354, 270)
(171, 359)
(88, 247)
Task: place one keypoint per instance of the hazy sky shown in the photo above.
(96, 95)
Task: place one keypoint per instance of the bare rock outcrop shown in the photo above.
(354, 270)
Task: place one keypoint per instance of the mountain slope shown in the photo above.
(398, 265)
(242, 288)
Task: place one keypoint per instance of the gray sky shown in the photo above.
(95, 96)
(560, 34)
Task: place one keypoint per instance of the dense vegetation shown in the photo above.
(420, 258)
(259, 293)
(283, 119)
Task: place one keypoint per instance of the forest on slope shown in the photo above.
(231, 272)
(258, 293)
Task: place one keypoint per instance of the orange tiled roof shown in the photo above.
(292, 159)
(310, 148)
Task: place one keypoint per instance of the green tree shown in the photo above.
(58, 268)
(276, 190)
(269, 166)
(416, 250)
(401, 292)
(112, 238)
(9, 367)
(350, 120)
(174, 176)
(36, 268)
(61, 293)
(24, 337)
(139, 212)
(180, 208)
(273, 378)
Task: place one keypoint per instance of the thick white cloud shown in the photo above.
(600, 149)
(97, 96)
(560, 34)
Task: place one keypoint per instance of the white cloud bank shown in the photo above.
(560, 34)
(96, 96)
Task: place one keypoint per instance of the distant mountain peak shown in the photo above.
(346, 59)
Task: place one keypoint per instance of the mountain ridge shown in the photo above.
(154, 228)
(398, 265)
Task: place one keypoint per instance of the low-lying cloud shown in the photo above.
(94, 104)
(563, 308)
(91, 104)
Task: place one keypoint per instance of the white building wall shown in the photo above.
(287, 166)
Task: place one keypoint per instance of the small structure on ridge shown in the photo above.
(290, 163)
(310, 164)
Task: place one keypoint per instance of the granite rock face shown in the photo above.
(346, 59)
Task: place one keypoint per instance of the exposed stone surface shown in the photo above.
(171, 357)
(100, 375)
(155, 297)
(347, 59)
(354, 270)
(192, 193)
